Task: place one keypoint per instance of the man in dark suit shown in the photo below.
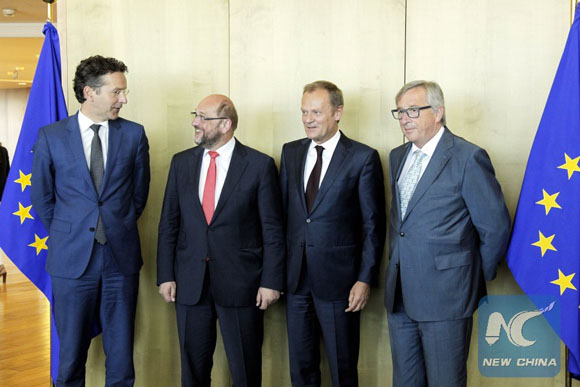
(90, 181)
(221, 246)
(449, 229)
(4, 169)
(334, 206)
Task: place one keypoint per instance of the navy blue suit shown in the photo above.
(65, 199)
(219, 267)
(451, 240)
(337, 244)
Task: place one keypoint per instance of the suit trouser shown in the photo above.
(242, 330)
(432, 353)
(101, 294)
(308, 317)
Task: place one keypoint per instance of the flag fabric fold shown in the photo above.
(544, 252)
(23, 237)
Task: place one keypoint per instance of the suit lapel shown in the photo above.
(440, 158)
(338, 157)
(194, 170)
(115, 141)
(299, 168)
(75, 144)
(236, 169)
(397, 168)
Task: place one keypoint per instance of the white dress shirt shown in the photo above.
(87, 136)
(428, 149)
(329, 147)
(222, 164)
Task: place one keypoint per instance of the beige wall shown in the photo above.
(494, 59)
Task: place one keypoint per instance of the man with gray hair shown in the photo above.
(449, 229)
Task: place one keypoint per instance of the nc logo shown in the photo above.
(514, 329)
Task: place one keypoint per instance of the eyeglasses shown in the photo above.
(118, 93)
(412, 112)
(204, 118)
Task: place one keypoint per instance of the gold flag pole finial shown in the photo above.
(49, 9)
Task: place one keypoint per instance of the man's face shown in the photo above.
(320, 119)
(421, 129)
(207, 133)
(105, 102)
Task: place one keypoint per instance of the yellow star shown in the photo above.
(39, 244)
(545, 243)
(571, 165)
(23, 180)
(549, 201)
(564, 281)
(23, 212)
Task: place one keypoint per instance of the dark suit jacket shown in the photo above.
(454, 234)
(343, 236)
(4, 168)
(244, 241)
(64, 196)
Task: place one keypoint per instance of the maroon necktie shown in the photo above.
(314, 179)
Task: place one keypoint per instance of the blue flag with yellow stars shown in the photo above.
(23, 237)
(544, 252)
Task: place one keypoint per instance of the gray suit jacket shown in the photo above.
(454, 234)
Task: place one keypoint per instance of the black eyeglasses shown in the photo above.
(204, 118)
(412, 112)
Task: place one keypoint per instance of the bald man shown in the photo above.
(221, 246)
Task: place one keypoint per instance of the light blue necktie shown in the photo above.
(410, 180)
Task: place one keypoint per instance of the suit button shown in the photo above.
(92, 229)
(100, 204)
(402, 234)
(308, 220)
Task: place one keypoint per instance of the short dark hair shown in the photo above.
(228, 110)
(334, 92)
(90, 71)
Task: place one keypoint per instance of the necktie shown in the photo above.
(410, 181)
(208, 200)
(314, 179)
(97, 170)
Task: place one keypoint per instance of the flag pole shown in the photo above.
(568, 380)
(50, 381)
(49, 10)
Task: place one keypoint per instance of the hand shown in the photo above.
(358, 297)
(266, 297)
(167, 291)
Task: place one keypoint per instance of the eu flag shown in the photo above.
(23, 237)
(544, 253)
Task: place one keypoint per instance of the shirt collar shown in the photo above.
(85, 122)
(329, 145)
(429, 147)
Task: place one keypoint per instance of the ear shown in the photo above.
(88, 92)
(439, 115)
(225, 126)
(338, 113)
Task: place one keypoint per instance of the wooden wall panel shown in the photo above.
(495, 61)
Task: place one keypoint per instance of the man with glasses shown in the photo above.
(221, 246)
(449, 229)
(90, 182)
(334, 202)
